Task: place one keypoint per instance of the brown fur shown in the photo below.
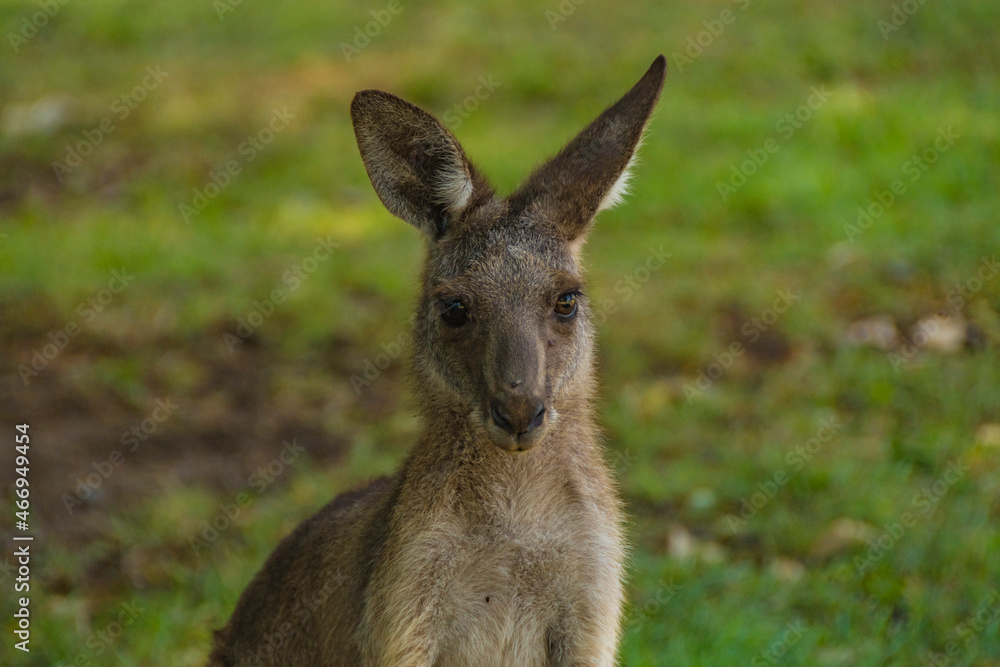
(499, 541)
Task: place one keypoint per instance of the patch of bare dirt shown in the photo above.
(111, 424)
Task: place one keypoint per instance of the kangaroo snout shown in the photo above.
(519, 418)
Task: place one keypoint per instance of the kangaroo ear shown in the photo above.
(417, 167)
(591, 173)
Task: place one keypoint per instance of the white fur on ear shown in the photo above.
(454, 188)
(620, 189)
(576, 246)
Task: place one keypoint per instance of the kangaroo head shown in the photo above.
(502, 331)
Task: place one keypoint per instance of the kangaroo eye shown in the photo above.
(453, 312)
(566, 305)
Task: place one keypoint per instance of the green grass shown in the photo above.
(701, 592)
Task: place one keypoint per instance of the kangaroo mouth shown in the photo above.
(515, 443)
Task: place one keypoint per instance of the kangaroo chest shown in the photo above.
(510, 579)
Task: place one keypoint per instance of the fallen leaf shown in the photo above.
(988, 435)
(878, 331)
(941, 333)
(787, 569)
(682, 545)
(842, 534)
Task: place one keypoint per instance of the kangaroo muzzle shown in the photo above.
(516, 409)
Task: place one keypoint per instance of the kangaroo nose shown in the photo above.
(519, 417)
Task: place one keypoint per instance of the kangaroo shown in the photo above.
(500, 539)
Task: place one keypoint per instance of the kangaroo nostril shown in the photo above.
(537, 420)
(500, 418)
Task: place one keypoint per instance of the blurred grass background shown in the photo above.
(747, 547)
